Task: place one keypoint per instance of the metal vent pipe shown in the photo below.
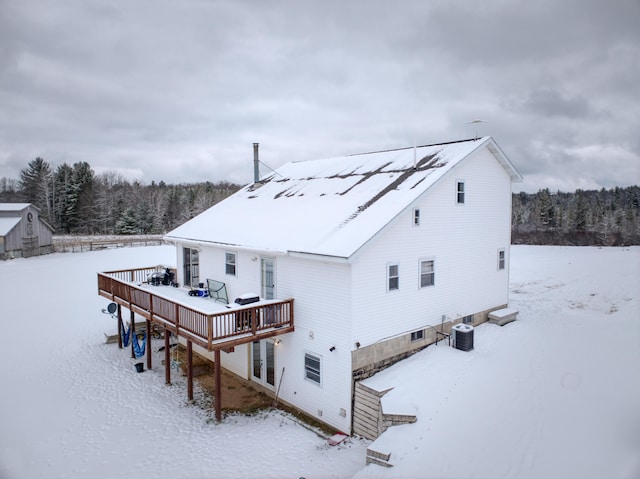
(256, 164)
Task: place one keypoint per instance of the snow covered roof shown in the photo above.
(329, 207)
(7, 224)
(13, 206)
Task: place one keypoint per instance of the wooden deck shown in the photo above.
(203, 321)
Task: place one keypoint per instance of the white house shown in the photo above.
(380, 251)
(23, 232)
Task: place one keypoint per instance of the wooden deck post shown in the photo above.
(119, 326)
(167, 357)
(190, 370)
(218, 396)
(148, 344)
(133, 332)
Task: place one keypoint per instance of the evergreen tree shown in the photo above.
(35, 185)
(62, 190)
(81, 206)
(127, 224)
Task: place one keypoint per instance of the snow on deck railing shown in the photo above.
(230, 324)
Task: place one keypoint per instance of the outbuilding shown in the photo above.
(23, 232)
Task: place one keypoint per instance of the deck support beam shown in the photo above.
(132, 315)
(119, 326)
(190, 370)
(167, 357)
(148, 344)
(218, 395)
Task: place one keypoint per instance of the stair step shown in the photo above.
(378, 455)
(379, 462)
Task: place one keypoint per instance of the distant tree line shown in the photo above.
(74, 200)
(594, 217)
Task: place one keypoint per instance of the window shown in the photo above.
(416, 217)
(312, 367)
(417, 335)
(460, 192)
(191, 266)
(467, 319)
(393, 280)
(427, 273)
(501, 259)
(230, 264)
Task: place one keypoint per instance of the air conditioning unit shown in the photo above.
(462, 335)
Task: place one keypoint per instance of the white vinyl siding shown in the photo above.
(463, 243)
(322, 320)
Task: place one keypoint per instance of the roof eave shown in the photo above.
(493, 147)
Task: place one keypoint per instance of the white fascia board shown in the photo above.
(493, 147)
(200, 244)
(318, 257)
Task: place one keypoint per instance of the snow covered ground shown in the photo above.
(555, 394)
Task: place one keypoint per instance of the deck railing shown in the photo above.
(210, 330)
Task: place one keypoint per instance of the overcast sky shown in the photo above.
(179, 90)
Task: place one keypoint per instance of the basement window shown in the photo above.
(417, 335)
(467, 319)
(312, 366)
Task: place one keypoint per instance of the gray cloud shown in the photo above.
(179, 92)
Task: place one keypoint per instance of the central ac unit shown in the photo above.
(462, 337)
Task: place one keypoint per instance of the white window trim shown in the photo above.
(194, 268)
(504, 259)
(415, 217)
(319, 358)
(464, 191)
(235, 263)
(420, 261)
(388, 276)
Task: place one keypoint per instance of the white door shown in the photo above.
(268, 278)
(263, 362)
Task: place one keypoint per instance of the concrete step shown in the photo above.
(378, 458)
